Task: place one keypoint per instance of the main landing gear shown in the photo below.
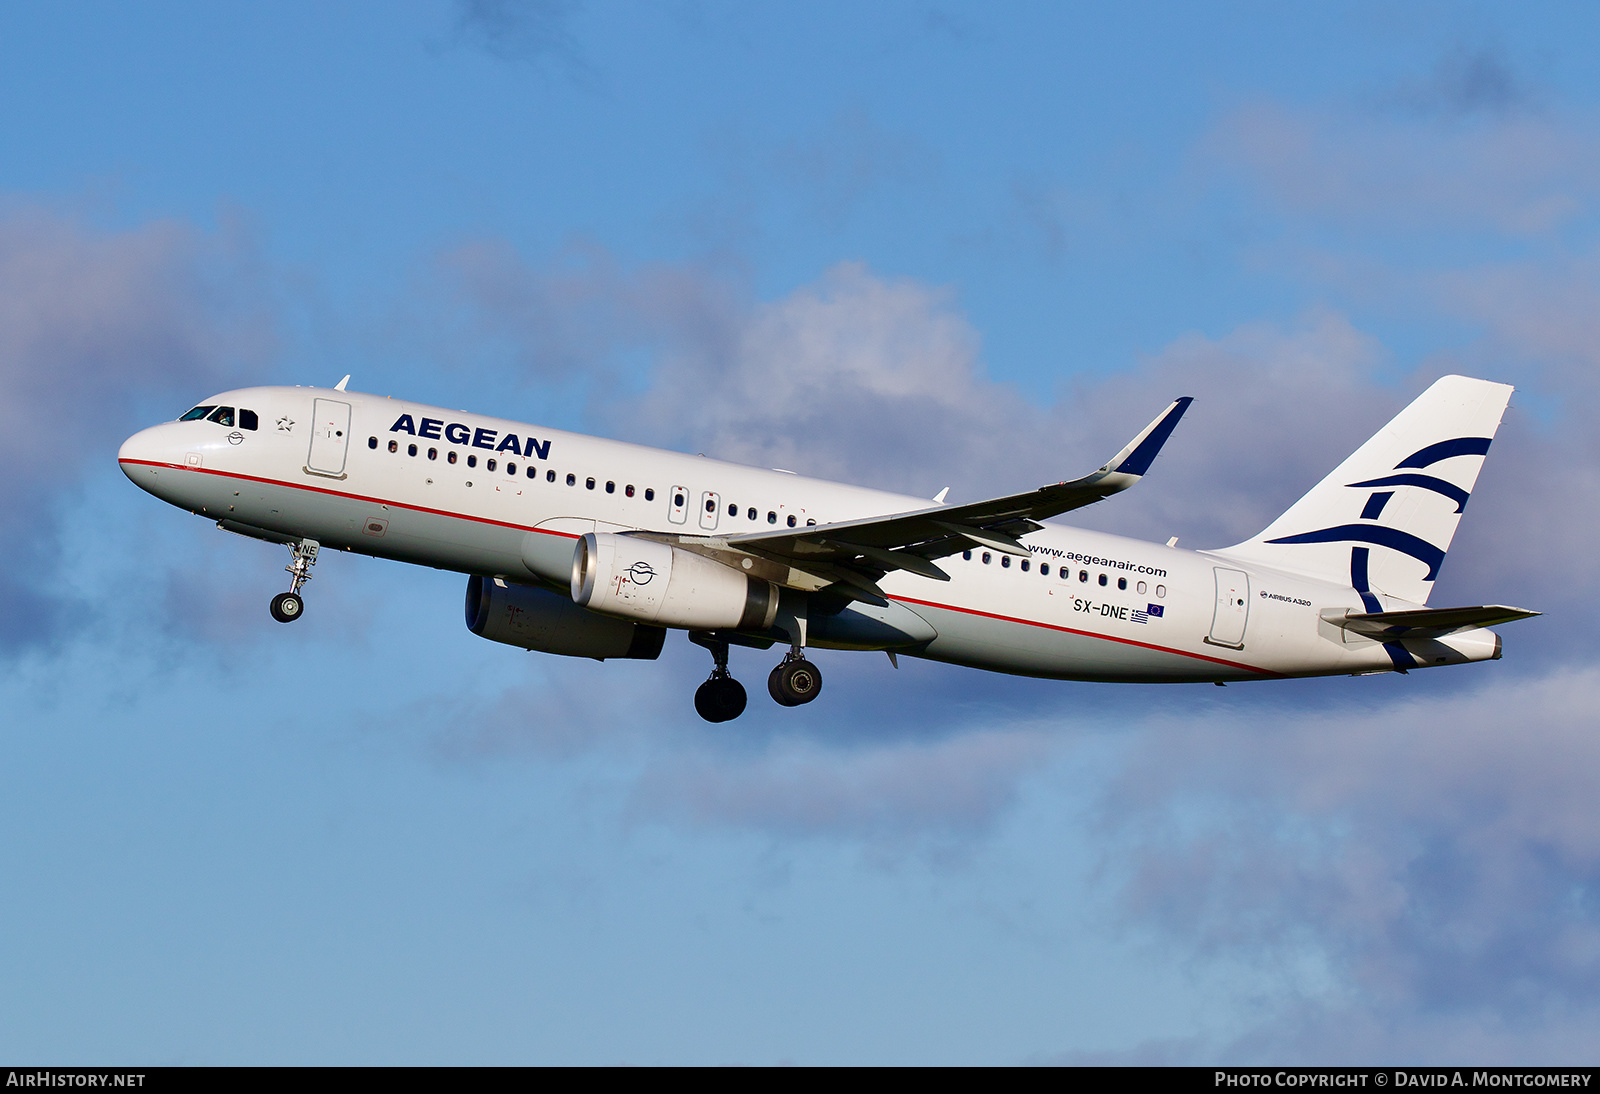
(721, 698)
(795, 680)
(287, 607)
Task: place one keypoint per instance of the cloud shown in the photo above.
(856, 377)
(1387, 869)
(881, 381)
(1466, 82)
(957, 786)
(536, 33)
(1433, 860)
(95, 327)
(576, 319)
(1521, 175)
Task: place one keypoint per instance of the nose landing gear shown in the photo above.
(721, 698)
(287, 607)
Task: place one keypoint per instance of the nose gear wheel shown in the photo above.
(289, 606)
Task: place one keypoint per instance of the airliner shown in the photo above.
(587, 547)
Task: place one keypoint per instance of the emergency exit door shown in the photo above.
(710, 510)
(330, 437)
(1233, 609)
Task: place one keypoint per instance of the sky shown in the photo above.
(909, 245)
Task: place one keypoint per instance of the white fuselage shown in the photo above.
(503, 499)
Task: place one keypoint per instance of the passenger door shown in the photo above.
(330, 438)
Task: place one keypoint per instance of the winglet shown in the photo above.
(1141, 451)
(340, 385)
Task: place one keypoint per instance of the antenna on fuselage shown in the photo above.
(340, 385)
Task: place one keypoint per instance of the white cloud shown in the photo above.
(1438, 858)
(94, 326)
(1522, 175)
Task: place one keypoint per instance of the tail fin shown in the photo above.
(1385, 517)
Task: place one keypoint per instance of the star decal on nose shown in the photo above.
(285, 425)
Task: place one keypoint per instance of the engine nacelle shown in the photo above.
(538, 619)
(668, 586)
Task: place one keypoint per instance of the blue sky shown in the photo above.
(905, 244)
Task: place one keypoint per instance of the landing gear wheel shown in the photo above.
(720, 699)
(795, 682)
(286, 607)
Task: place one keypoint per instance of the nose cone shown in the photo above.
(143, 448)
(146, 455)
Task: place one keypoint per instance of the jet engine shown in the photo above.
(538, 619)
(668, 586)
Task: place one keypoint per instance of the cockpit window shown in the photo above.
(248, 419)
(197, 413)
(223, 415)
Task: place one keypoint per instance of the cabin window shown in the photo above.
(533, 472)
(1140, 588)
(197, 413)
(1122, 583)
(452, 456)
(1005, 562)
(810, 522)
(223, 415)
(588, 484)
(1044, 569)
(572, 480)
(472, 461)
(792, 521)
(411, 450)
(511, 468)
(394, 446)
(489, 464)
(711, 505)
(611, 488)
(1083, 575)
(549, 476)
(986, 558)
(733, 510)
(772, 518)
(1025, 565)
(967, 555)
(677, 501)
(649, 493)
(628, 490)
(372, 442)
(248, 420)
(1161, 592)
(1102, 579)
(433, 453)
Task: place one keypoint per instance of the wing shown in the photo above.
(857, 552)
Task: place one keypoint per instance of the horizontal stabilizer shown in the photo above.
(1426, 622)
